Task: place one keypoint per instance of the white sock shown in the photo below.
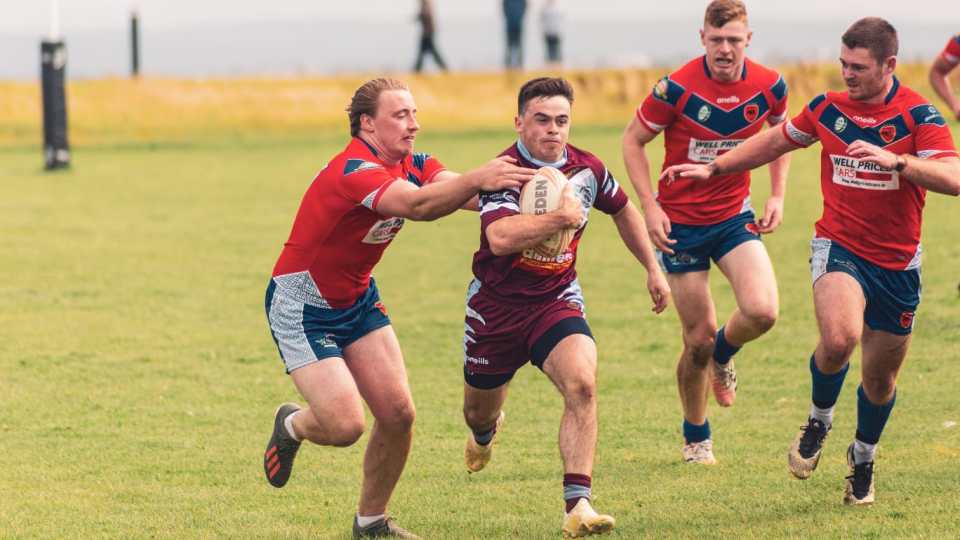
(823, 415)
(288, 423)
(363, 521)
(863, 452)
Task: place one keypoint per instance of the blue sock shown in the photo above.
(694, 433)
(826, 388)
(871, 418)
(723, 351)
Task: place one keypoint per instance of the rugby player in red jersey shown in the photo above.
(883, 147)
(523, 306)
(705, 109)
(323, 307)
(940, 72)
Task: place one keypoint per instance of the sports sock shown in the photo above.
(483, 438)
(870, 421)
(364, 521)
(575, 487)
(823, 415)
(693, 433)
(723, 351)
(288, 423)
(863, 452)
(826, 388)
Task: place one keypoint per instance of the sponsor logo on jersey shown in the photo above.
(852, 172)
(728, 99)
(887, 133)
(840, 124)
(906, 319)
(751, 111)
(704, 113)
(383, 231)
(707, 151)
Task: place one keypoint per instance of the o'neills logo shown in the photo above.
(751, 112)
(540, 197)
(730, 99)
(887, 133)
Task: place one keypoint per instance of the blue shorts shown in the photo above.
(306, 333)
(697, 244)
(892, 295)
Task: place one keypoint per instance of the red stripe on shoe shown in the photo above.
(273, 471)
(270, 452)
(273, 461)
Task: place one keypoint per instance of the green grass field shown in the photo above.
(138, 378)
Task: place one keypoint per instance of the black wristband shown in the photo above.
(901, 163)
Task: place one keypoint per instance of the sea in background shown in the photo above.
(335, 46)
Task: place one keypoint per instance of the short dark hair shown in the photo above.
(543, 87)
(720, 12)
(365, 100)
(874, 34)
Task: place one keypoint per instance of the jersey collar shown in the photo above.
(893, 91)
(529, 157)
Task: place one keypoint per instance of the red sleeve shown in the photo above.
(951, 53)
(801, 130)
(778, 111)
(933, 139)
(364, 182)
(431, 166)
(658, 110)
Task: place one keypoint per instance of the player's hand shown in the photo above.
(772, 215)
(658, 228)
(872, 153)
(686, 170)
(659, 290)
(503, 173)
(570, 207)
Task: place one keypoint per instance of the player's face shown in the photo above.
(865, 77)
(394, 127)
(544, 127)
(726, 48)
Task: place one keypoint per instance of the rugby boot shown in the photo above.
(478, 455)
(699, 452)
(804, 453)
(281, 449)
(723, 379)
(382, 528)
(859, 488)
(583, 520)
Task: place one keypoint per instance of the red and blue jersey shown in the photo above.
(869, 210)
(529, 275)
(704, 118)
(338, 236)
(951, 53)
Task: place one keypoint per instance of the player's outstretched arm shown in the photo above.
(937, 175)
(513, 234)
(635, 139)
(773, 208)
(940, 81)
(758, 150)
(631, 228)
(450, 191)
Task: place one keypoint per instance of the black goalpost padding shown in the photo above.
(134, 45)
(53, 64)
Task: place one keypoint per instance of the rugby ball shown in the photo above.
(541, 195)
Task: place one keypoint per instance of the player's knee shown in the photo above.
(345, 431)
(838, 348)
(478, 417)
(580, 390)
(699, 345)
(879, 389)
(762, 317)
(398, 417)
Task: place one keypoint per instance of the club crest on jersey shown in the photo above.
(906, 319)
(703, 114)
(887, 133)
(840, 124)
(751, 112)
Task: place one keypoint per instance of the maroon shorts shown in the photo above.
(500, 336)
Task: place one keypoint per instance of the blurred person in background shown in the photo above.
(551, 20)
(513, 13)
(323, 307)
(940, 75)
(428, 28)
(706, 108)
(883, 146)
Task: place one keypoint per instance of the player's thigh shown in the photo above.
(330, 391)
(572, 365)
(839, 303)
(883, 354)
(377, 366)
(694, 303)
(750, 273)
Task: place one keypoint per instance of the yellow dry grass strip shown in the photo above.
(112, 111)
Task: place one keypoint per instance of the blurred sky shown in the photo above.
(290, 37)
